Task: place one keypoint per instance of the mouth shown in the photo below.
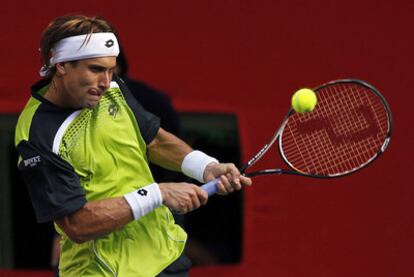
(95, 92)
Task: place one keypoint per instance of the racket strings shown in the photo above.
(344, 132)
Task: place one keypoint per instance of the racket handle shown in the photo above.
(211, 187)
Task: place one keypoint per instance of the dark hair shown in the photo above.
(122, 63)
(67, 26)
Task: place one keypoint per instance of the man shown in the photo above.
(84, 145)
(159, 104)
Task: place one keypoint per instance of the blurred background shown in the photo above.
(230, 68)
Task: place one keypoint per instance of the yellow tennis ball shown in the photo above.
(304, 100)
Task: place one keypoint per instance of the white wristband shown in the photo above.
(195, 163)
(144, 200)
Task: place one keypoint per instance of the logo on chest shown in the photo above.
(112, 110)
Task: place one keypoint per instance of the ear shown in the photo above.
(60, 68)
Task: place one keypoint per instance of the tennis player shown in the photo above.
(84, 145)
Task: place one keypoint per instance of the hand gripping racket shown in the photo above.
(350, 127)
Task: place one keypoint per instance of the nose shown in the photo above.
(105, 80)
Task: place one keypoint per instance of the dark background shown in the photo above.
(246, 58)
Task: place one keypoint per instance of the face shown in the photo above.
(84, 82)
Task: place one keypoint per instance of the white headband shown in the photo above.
(81, 47)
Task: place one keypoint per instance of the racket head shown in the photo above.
(349, 128)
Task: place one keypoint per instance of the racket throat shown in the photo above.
(264, 172)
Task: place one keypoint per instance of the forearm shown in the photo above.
(168, 151)
(96, 219)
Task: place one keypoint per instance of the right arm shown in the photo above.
(100, 217)
(96, 219)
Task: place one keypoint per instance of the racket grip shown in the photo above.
(211, 187)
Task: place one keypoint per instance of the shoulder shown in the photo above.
(25, 120)
(40, 122)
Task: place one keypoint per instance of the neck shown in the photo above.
(56, 94)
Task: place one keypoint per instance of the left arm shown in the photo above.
(168, 151)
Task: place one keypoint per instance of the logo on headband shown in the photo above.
(109, 43)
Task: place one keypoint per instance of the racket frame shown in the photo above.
(294, 171)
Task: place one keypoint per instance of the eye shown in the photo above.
(96, 68)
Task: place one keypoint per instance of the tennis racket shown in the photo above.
(350, 127)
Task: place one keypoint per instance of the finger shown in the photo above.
(245, 181)
(178, 212)
(235, 182)
(221, 190)
(202, 195)
(234, 171)
(182, 208)
(188, 202)
(234, 176)
(226, 183)
(195, 201)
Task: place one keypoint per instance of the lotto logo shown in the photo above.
(142, 192)
(109, 43)
(112, 110)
